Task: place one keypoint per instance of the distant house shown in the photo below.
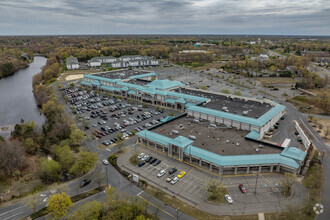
(127, 58)
(119, 64)
(94, 62)
(263, 57)
(108, 59)
(72, 63)
(193, 51)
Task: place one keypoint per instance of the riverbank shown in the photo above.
(12, 67)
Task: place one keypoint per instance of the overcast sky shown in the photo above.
(47, 17)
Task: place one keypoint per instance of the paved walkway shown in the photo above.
(261, 216)
(266, 199)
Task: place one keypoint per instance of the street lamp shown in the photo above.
(177, 213)
(255, 189)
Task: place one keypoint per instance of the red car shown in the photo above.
(242, 188)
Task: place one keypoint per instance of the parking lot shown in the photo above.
(191, 187)
(109, 119)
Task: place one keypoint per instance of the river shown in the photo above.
(16, 97)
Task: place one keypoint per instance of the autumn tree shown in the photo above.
(84, 163)
(49, 170)
(90, 210)
(12, 156)
(64, 157)
(59, 205)
(77, 137)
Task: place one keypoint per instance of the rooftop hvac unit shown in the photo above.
(213, 125)
(256, 150)
(224, 108)
(181, 126)
(175, 132)
(227, 141)
(191, 137)
(196, 121)
(237, 144)
(245, 112)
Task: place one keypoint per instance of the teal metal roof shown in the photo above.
(167, 118)
(181, 100)
(188, 104)
(270, 114)
(186, 96)
(86, 83)
(293, 152)
(240, 159)
(258, 122)
(124, 88)
(96, 82)
(226, 115)
(181, 141)
(101, 78)
(158, 138)
(142, 75)
(130, 85)
(172, 101)
(149, 90)
(253, 135)
(131, 92)
(164, 84)
(110, 88)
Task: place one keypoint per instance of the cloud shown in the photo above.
(165, 16)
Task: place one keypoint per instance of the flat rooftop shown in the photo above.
(234, 105)
(120, 74)
(140, 82)
(214, 139)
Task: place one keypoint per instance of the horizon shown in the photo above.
(185, 17)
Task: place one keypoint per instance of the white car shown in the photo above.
(105, 162)
(141, 155)
(176, 179)
(144, 157)
(161, 173)
(229, 199)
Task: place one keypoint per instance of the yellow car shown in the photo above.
(181, 174)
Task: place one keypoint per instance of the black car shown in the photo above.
(156, 162)
(148, 159)
(141, 163)
(85, 182)
(173, 170)
(153, 160)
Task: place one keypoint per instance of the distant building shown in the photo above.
(263, 57)
(124, 61)
(72, 63)
(193, 51)
(94, 62)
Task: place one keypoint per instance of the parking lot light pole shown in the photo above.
(106, 170)
(177, 213)
(255, 189)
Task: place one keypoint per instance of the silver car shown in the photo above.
(229, 199)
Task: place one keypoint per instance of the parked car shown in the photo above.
(153, 160)
(172, 170)
(148, 159)
(161, 173)
(176, 179)
(105, 162)
(156, 162)
(141, 163)
(141, 155)
(242, 188)
(229, 199)
(169, 178)
(181, 174)
(85, 182)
